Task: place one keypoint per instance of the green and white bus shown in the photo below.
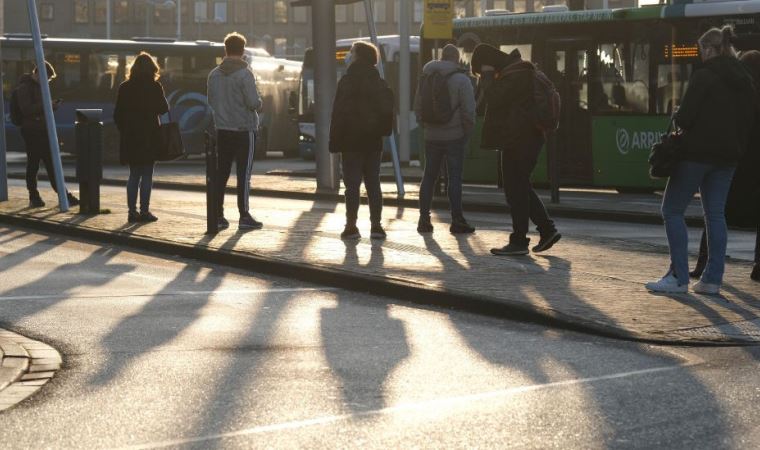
(620, 73)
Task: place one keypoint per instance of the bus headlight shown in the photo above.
(306, 139)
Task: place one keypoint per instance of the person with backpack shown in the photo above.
(445, 106)
(362, 115)
(236, 103)
(716, 115)
(28, 114)
(522, 106)
(139, 104)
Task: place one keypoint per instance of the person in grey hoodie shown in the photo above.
(448, 140)
(235, 102)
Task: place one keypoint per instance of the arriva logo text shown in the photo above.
(634, 141)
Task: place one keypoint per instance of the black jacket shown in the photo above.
(743, 205)
(29, 95)
(139, 104)
(717, 112)
(362, 111)
(508, 123)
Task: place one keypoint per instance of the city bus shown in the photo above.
(90, 71)
(621, 73)
(389, 49)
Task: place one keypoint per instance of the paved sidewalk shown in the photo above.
(25, 366)
(594, 284)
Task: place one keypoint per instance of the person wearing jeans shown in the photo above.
(716, 116)
(357, 167)
(140, 179)
(446, 140)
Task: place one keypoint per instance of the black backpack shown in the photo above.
(436, 99)
(17, 115)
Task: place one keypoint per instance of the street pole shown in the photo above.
(325, 84)
(179, 19)
(47, 105)
(148, 4)
(3, 144)
(109, 18)
(404, 81)
(368, 8)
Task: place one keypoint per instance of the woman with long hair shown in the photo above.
(139, 105)
(716, 115)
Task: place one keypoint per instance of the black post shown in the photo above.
(89, 140)
(212, 199)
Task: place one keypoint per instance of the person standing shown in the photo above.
(362, 115)
(34, 132)
(716, 115)
(448, 118)
(139, 104)
(235, 101)
(511, 128)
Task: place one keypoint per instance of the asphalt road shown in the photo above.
(173, 353)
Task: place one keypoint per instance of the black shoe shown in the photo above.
(756, 272)
(460, 226)
(133, 217)
(249, 223)
(73, 201)
(148, 217)
(699, 268)
(547, 242)
(35, 201)
(350, 233)
(377, 232)
(424, 225)
(222, 223)
(511, 250)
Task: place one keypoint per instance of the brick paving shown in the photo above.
(25, 366)
(595, 283)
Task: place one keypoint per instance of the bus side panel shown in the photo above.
(480, 166)
(621, 147)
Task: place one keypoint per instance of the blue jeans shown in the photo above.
(435, 151)
(140, 176)
(713, 183)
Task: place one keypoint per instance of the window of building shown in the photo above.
(201, 12)
(460, 10)
(360, 15)
(418, 11)
(47, 11)
(341, 13)
(100, 11)
(299, 46)
(163, 16)
(220, 12)
(280, 11)
(300, 14)
(81, 11)
(241, 12)
(280, 46)
(260, 11)
(121, 11)
(380, 12)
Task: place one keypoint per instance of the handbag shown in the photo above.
(167, 144)
(663, 157)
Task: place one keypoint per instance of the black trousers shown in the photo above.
(237, 147)
(703, 251)
(524, 203)
(364, 166)
(37, 150)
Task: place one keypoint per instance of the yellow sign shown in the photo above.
(438, 22)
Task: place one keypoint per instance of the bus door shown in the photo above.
(567, 65)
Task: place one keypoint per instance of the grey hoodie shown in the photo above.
(233, 96)
(462, 96)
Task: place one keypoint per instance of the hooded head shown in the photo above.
(487, 55)
(450, 53)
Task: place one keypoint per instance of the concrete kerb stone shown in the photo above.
(395, 288)
(26, 366)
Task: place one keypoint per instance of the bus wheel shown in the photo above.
(262, 145)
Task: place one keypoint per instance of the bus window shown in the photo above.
(623, 78)
(570, 73)
(672, 80)
(103, 75)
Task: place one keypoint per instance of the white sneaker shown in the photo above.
(706, 288)
(668, 284)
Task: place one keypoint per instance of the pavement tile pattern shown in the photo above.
(25, 366)
(588, 281)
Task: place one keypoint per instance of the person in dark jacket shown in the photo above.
(35, 135)
(139, 104)
(743, 204)
(716, 114)
(362, 115)
(510, 127)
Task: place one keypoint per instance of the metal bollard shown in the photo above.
(88, 130)
(212, 164)
(552, 160)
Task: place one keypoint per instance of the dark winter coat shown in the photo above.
(139, 105)
(509, 124)
(362, 111)
(29, 97)
(717, 112)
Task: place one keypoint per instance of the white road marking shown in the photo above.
(434, 404)
(216, 292)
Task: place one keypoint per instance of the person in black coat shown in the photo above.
(509, 126)
(139, 105)
(362, 115)
(743, 204)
